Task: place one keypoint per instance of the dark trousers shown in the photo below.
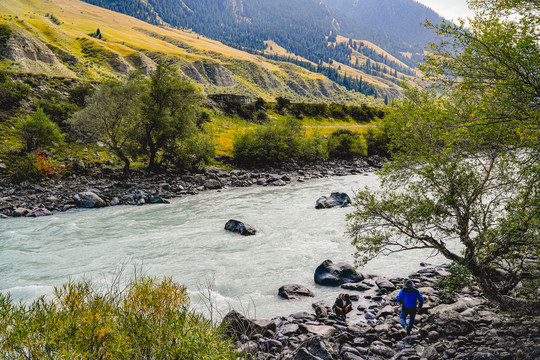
(412, 314)
(341, 313)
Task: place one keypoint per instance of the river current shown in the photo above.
(186, 240)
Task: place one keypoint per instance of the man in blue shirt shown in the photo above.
(408, 297)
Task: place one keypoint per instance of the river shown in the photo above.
(186, 240)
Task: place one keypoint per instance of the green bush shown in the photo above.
(38, 131)
(5, 34)
(345, 144)
(450, 285)
(282, 104)
(57, 109)
(25, 167)
(377, 142)
(313, 148)
(12, 93)
(194, 153)
(79, 94)
(260, 117)
(271, 144)
(275, 143)
(149, 320)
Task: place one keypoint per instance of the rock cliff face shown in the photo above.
(141, 62)
(214, 73)
(22, 47)
(31, 54)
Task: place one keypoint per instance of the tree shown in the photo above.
(466, 173)
(37, 130)
(170, 109)
(112, 115)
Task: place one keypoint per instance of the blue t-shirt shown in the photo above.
(408, 297)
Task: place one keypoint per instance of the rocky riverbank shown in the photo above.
(105, 187)
(452, 326)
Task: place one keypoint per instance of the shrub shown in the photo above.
(194, 153)
(450, 285)
(58, 110)
(377, 142)
(345, 144)
(202, 119)
(25, 167)
(38, 131)
(5, 34)
(79, 94)
(261, 117)
(282, 104)
(271, 144)
(12, 92)
(149, 320)
(313, 148)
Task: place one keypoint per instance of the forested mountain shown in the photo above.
(306, 28)
(400, 19)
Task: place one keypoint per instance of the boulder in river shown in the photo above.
(330, 274)
(88, 199)
(39, 212)
(335, 199)
(294, 291)
(240, 227)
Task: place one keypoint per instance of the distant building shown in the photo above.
(225, 98)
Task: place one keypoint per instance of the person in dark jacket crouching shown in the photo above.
(408, 297)
(342, 306)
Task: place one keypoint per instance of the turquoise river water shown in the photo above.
(186, 240)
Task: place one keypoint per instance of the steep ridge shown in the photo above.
(307, 30)
(61, 38)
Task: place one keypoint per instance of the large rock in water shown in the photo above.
(330, 274)
(240, 227)
(89, 199)
(294, 291)
(334, 200)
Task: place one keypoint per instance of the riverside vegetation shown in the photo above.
(466, 169)
(159, 122)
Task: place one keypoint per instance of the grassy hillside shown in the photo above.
(54, 38)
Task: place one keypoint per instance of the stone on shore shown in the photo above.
(330, 274)
(240, 227)
(385, 284)
(88, 199)
(237, 325)
(294, 291)
(19, 212)
(39, 212)
(335, 199)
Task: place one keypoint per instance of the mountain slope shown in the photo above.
(305, 28)
(54, 38)
(400, 19)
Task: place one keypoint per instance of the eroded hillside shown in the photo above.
(69, 38)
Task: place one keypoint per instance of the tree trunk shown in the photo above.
(152, 149)
(127, 164)
(491, 291)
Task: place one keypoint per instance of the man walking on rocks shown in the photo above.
(408, 298)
